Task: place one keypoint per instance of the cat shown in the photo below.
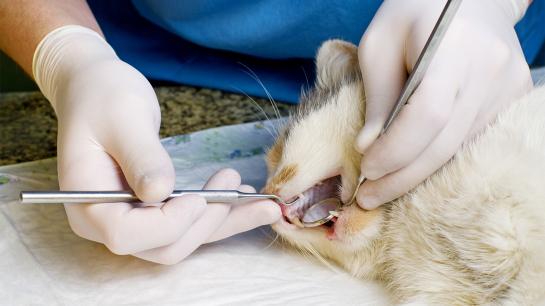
(471, 234)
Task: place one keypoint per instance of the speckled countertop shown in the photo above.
(28, 127)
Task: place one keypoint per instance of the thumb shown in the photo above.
(383, 70)
(146, 165)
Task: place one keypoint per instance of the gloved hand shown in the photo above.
(108, 123)
(477, 71)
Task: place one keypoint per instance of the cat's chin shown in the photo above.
(354, 230)
(301, 236)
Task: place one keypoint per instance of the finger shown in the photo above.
(121, 227)
(202, 229)
(417, 124)
(383, 71)
(517, 74)
(150, 227)
(87, 167)
(374, 193)
(246, 217)
(223, 179)
(145, 163)
(246, 188)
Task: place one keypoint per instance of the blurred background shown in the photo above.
(12, 78)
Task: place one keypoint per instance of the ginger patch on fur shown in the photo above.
(283, 176)
(361, 219)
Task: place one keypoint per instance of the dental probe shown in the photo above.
(90, 197)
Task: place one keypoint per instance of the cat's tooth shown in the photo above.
(296, 221)
(334, 213)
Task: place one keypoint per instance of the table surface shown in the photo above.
(28, 127)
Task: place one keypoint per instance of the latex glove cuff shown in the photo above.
(63, 51)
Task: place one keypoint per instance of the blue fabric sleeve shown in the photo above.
(231, 44)
(531, 32)
(166, 50)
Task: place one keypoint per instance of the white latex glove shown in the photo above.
(477, 71)
(108, 119)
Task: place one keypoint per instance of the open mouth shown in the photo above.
(305, 208)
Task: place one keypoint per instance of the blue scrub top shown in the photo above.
(245, 46)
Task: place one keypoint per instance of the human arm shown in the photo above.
(25, 23)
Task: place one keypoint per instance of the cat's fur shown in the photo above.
(472, 234)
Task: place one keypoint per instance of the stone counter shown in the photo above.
(28, 127)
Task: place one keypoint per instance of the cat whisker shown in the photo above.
(320, 258)
(274, 239)
(253, 102)
(306, 77)
(254, 76)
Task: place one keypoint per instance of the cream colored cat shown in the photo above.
(472, 234)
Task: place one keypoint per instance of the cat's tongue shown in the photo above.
(315, 203)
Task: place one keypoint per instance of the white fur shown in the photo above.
(473, 233)
(343, 122)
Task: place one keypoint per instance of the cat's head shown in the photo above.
(315, 158)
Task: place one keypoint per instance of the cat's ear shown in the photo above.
(337, 60)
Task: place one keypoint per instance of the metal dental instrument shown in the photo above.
(415, 77)
(89, 197)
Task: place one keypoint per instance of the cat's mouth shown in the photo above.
(323, 190)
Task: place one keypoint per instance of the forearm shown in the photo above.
(24, 23)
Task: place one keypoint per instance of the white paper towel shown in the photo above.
(43, 263)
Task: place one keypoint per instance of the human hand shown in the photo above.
(108, 119)
(477, 71)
